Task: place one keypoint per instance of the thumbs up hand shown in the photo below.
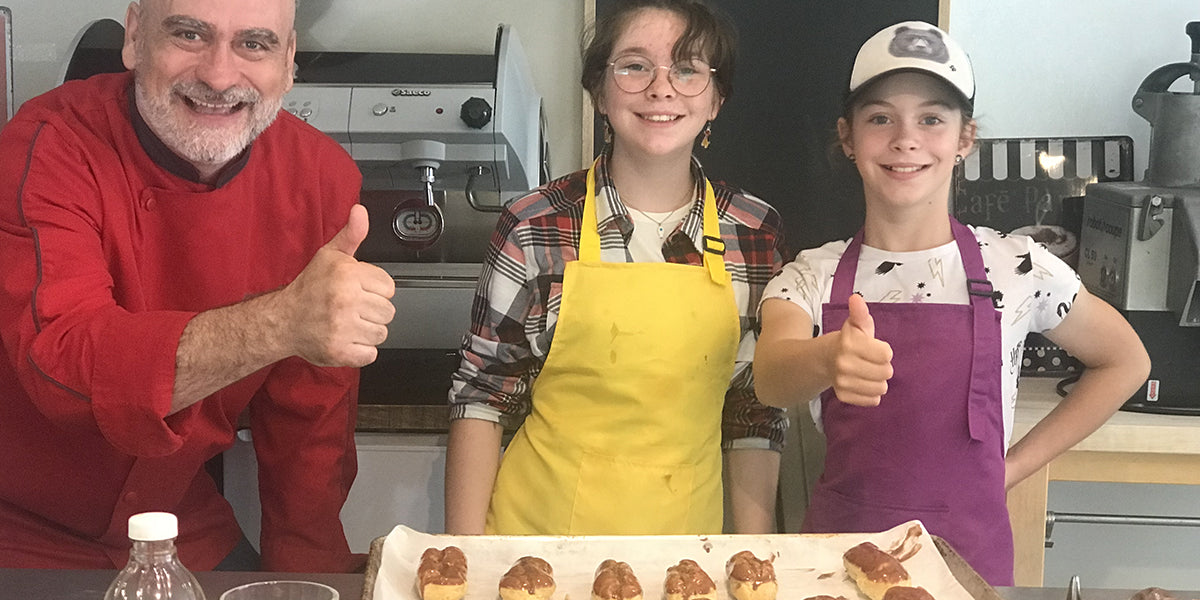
(349, 237)
(861, 365)
(337, 309)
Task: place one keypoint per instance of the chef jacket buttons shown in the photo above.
(147, 200)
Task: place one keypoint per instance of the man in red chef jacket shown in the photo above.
(174, 251)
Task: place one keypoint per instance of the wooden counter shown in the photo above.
(1129, 448)
(398, 418)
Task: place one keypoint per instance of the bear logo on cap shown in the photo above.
(917, 43)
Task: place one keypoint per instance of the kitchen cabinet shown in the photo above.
(1134, 448)
(400, 480)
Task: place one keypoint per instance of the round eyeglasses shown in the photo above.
(635, 73)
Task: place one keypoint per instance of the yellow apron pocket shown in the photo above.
(619, 496)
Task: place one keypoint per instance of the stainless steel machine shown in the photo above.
(443, 141)
(1139, 240)
(6, 64)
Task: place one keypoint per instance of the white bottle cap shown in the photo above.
(153, 526)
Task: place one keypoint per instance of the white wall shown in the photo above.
(44, 30)
(1069, 67)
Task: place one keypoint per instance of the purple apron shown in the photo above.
(933, 448)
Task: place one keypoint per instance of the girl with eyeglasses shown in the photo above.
(614, 313)
(912, 367)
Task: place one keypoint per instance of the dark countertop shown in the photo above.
(53, 584)
(56, 584)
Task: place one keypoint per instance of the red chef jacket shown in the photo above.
(105, 255)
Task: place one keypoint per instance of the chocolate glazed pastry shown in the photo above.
(687, 581)
(442, 574)
(873, 570)
(530, 578)
(1152, 593)
(907, 593)
(751, 578)
(616, 581)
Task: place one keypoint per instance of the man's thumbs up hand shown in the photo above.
(349, 237)
(337, 309)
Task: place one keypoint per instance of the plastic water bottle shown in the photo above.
(154, 570)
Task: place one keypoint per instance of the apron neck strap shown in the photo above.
(712, 247)
(843, 277)
(986, 329)
(589, 236)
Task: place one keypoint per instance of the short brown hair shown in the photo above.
(708, 34)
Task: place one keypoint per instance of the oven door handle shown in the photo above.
(426, 282)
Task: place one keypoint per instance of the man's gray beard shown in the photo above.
(200, 145)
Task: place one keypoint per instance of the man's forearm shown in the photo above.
(333, 314)
(221, 346)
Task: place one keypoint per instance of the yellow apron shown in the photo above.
(625, 432)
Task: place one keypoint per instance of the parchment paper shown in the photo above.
(805, 565)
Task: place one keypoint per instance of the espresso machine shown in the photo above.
(1139, 240)
(443, 142)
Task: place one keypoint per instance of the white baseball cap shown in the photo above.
(914, 46)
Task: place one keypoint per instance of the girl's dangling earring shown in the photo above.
(705, 141)
(607, 132)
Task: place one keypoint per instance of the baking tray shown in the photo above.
(806, 564)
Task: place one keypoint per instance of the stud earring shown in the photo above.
(705, 141)
(850, 157)
(958, 158)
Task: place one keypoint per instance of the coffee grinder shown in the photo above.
(1138, 242)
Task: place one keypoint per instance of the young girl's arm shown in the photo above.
(472, 461)
(1116, 364)
(753, 480)
(791, 366)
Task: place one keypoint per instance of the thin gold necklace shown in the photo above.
(662, 232)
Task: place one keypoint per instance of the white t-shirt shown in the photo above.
(1037, 289)
(646, 245)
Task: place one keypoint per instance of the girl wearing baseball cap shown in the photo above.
(906, 339)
